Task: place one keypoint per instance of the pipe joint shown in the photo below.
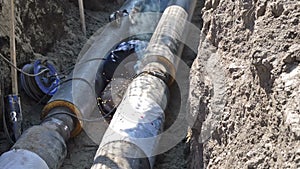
(64, 108)
(46, 142)
(157, 73)
(58, 124)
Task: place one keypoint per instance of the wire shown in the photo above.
(6, 128)
(83, 119)
(45, 95)
(100, 109)
(70, 114)
(3, 115)
(70, 79)
(33, 75)
(25, 73)
(78, 64)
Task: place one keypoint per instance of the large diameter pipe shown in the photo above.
(138, 119)
(165, 46)
(41, 146)
(47, 141)
(131, 139)
(22, 159)
(76, 96)
(79, 94)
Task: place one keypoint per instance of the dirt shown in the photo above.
(244, 83)
(245, 86)
(52, 31)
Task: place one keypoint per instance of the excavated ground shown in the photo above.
(49, 30)
(245, 86)
(244, 83)
(52, 31)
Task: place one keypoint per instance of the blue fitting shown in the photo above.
(45, 84)
(49, 83)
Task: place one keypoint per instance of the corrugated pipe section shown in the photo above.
(132, 137)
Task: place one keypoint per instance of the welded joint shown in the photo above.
(64, 107)
(156, 73)
(58, 125)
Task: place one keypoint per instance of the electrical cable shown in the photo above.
(70, 79)
(25, 73)
(4, 117)
(42, 99)
(52, 114)
(86, 61)
(64, 76)
(71, 67)
(82, 119)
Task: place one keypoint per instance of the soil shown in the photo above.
(52, 31)
(245, 86)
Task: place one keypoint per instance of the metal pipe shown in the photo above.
(41, 146)
(132, 137)
(16, 159)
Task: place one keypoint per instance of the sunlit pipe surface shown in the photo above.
(130, 141)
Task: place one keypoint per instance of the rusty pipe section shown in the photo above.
(133, 134)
